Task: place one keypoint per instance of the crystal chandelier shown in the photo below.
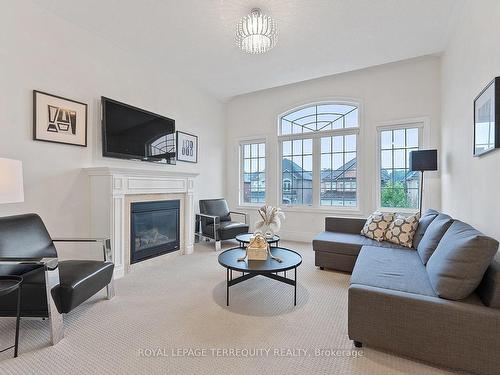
(256, 33)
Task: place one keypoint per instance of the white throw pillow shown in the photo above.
(376, 225)
(402, 230)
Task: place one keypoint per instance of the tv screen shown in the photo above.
(133, 133)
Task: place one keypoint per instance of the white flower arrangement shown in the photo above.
(272, 217)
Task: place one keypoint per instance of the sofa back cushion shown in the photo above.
(489, 289)
(423, 224)
(433, 234)
(458, 264)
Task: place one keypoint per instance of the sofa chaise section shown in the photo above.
(339, 245)
(392, 306)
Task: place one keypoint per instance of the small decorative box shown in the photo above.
(257, 248)
(256, 253)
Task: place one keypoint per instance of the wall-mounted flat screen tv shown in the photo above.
(133, 133)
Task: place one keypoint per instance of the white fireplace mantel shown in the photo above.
(108, 190)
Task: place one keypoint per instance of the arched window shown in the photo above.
(329, 130)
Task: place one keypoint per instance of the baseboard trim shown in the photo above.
(297, 236)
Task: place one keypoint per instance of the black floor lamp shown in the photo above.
(423, 160)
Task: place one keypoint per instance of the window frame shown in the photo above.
(415, 123)
(316, 155)
(241, 147)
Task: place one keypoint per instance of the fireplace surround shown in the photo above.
(114, 190)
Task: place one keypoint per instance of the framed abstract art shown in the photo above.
(59, 120)
(187, 147)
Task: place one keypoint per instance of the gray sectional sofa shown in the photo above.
(438, 302)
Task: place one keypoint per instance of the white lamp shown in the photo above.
(11, 181)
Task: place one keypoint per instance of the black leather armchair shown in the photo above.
(50, 288)
(216, 221)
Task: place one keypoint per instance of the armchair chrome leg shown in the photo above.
(108, 257)
(55, 317)
(110, 289)
(218, 245)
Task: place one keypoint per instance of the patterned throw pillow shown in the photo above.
(402, 230)
(376, 225)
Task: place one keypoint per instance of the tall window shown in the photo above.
(253, 176)
(318, 155)
(338, 170)
(297, 172)
(399, 188)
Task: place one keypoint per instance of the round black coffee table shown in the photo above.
(244, 239)
(268, 268)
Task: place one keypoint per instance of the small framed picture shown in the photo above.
(187, 147)
(59, 120)
(487, 119)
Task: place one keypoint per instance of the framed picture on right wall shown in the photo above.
(487, 119)
(187, 147)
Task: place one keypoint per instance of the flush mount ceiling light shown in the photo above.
(256, 32)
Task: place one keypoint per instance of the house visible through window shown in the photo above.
(253, 160)
(297, 171)
(399, 187)
(330, 130)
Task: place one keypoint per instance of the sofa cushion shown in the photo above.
(423, 224)
(489, 289)
(402, 230)
(395, 269)
(346, 243)
(458, 265)
(430, 240)
(376, 225)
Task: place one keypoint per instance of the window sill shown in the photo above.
(249, 206)
(354, 211)
(398, 210)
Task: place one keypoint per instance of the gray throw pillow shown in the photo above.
(430, 240)
(457, 266)
(423, 224)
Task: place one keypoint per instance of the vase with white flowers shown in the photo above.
(271, 219)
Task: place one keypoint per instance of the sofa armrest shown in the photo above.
(464, 335)
(344, 225)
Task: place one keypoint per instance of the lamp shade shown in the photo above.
(11, 181)
(423, 160)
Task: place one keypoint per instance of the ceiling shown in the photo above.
(194, 39)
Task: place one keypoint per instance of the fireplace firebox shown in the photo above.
(154, 229)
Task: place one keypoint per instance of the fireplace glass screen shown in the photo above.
(154, 229)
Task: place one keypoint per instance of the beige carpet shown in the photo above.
(175, 309)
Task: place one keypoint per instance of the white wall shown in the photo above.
(402, 90)
(471, 60)
(41, 51)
